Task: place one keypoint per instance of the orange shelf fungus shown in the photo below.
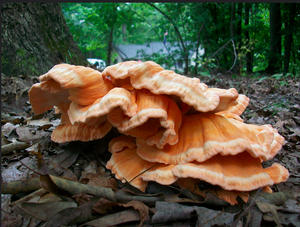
(175, 128)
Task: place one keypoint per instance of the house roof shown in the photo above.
(135, 51)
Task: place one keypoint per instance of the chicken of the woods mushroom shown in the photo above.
(175, 129)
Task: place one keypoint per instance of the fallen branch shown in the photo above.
(16, 145)
(19, 187)
(265, 106)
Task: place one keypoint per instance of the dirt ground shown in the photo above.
(274, 100)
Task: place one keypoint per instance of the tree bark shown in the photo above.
(289, 35)
(197, 50)
(239, 24)
(110, 42)
(34, 38)
(275, 39)
(249, 64)
(232, 27)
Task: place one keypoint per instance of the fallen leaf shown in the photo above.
(65, 187)
(141, 207)
(103, 205)
(166, 211)
(29, 134)
(82, 198)
(122, 217)
(73, 216)
(70, 155)
(266, 207)
(44, 211)
(277, 198)
(98, 180)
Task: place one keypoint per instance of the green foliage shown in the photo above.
(140, 23)
(243, 49)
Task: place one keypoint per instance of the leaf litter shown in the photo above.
(50, 184)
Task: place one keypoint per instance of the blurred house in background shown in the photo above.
(153, 51)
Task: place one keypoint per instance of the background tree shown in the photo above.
(35, 37)
(289, 14)
(275, 39)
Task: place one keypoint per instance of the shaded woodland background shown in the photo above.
(238, 37)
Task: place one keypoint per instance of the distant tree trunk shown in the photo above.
(232, 27)
(239, 31)
(110, 42)
(239, 24)
(289, 35)
(249, 64)
(34, 38)
(275, 39)
(111, 25)
(197, 50)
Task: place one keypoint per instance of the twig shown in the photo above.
(24, 164)
(143, 172)
(36, 193)
(234, 224)
(235, 56)
(265, 106)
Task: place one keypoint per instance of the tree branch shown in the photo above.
(177, 32)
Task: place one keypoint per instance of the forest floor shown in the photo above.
(29, 199)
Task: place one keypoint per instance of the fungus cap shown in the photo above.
(239, 172)
(204, 135)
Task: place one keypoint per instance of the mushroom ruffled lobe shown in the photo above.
(129, 167)
(66, 132)
(236, 110)
(115, 98)
(85, 84)
(118, 143)
(42, 100)
(205, 135)
(151, 76)
(239, 172)
(157, 119)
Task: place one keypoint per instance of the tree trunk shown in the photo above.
(34, 38)
(289, 35)
(239, 24)
(110, 42)
(275, 39)
(249, 64)
(111, 25)
(232, 27)
(197, 50)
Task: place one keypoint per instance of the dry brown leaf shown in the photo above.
(122, 217)
(103, 205)
(65, 187)
(141, 207)
(26, 134)
(82, 198)
(43, 211)
(99, 180)
(73, 216)
(166, 212)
